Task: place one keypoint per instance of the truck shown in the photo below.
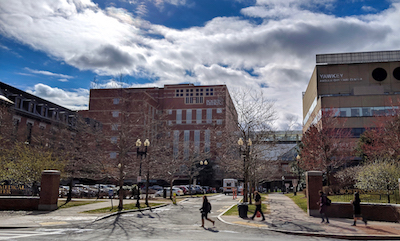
(229, 185)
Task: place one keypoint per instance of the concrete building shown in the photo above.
(197, 116)
(358, 86)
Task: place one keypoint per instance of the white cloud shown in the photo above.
(278, 54)
(77, 99)
(48, 73)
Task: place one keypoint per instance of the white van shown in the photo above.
(229, 185)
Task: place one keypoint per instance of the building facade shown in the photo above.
(32, 114)
(357, 86)
(196, 116)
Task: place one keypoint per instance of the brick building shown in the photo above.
(196, 116)
(32, 115)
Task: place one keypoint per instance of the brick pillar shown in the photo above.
(314, 185)
(49, 190)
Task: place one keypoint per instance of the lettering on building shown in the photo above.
(337, 77)
(214, 102)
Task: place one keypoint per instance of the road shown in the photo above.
(173, 222)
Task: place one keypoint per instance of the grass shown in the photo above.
(73, 203)
(300, 199)
(130, 206)
(233, 211)
(370, 198)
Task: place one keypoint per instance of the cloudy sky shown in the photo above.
(59, 49)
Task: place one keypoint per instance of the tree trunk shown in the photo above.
(147, 188)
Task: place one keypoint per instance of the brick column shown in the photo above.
(314, 185)
(49, 190)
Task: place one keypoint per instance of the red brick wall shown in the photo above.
(372, 212)
(19, 203)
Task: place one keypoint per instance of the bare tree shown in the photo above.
(326, 145)
(255, 115)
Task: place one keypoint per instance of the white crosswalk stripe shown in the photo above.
(13, 234)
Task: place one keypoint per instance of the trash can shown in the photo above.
(242, 209)
(164, 193)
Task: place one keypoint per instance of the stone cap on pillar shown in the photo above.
(51, 172)
(314, 173)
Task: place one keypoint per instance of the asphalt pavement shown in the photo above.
(283, 216)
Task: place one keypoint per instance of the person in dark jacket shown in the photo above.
(205, 209)
(323, 206)
(257, 198)
(357, 209)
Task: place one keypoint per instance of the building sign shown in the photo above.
(12, 190)
(336, 77)
(214, 102)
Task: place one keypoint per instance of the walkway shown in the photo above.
(286, 216)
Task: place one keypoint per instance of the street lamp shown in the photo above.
(245, 151)
(141, 154)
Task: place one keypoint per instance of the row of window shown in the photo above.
(194, 92)
(365, 111)
(199, 116)
(186, 142)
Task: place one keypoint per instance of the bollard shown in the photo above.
(174, 198)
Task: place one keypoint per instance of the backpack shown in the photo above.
(209, 207)
(328, 202)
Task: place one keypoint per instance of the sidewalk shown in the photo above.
(285, 216)
(63, 216)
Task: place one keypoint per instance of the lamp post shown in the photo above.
(141, 154)
(245, 152)
(194, 173)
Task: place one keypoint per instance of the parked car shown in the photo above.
(184, 189)
(175, 190)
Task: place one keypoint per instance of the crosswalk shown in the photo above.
(23, 234)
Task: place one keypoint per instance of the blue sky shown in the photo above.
(56, 49)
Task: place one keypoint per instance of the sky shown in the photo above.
(59, 49)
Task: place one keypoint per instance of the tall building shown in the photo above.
(197, 116)
(358, 86)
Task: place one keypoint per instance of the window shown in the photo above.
(169, 112)
(170, 122)
(194, 100)
(209, 116)
(219, 122)
(207, 141)
(113, 155)
(355, 112)
(116, 101)
(114, 139)
(178, 116)
(189, 116)
(176, 143)
(219, 133)
(114, 127)
(115, 113)
(42, 125)
(219, 110)
(196, 141)
(186, 142)
(198, 116)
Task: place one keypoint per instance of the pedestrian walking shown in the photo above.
(323, 206)
(357, 209)
(257, 198)
(205, 209)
